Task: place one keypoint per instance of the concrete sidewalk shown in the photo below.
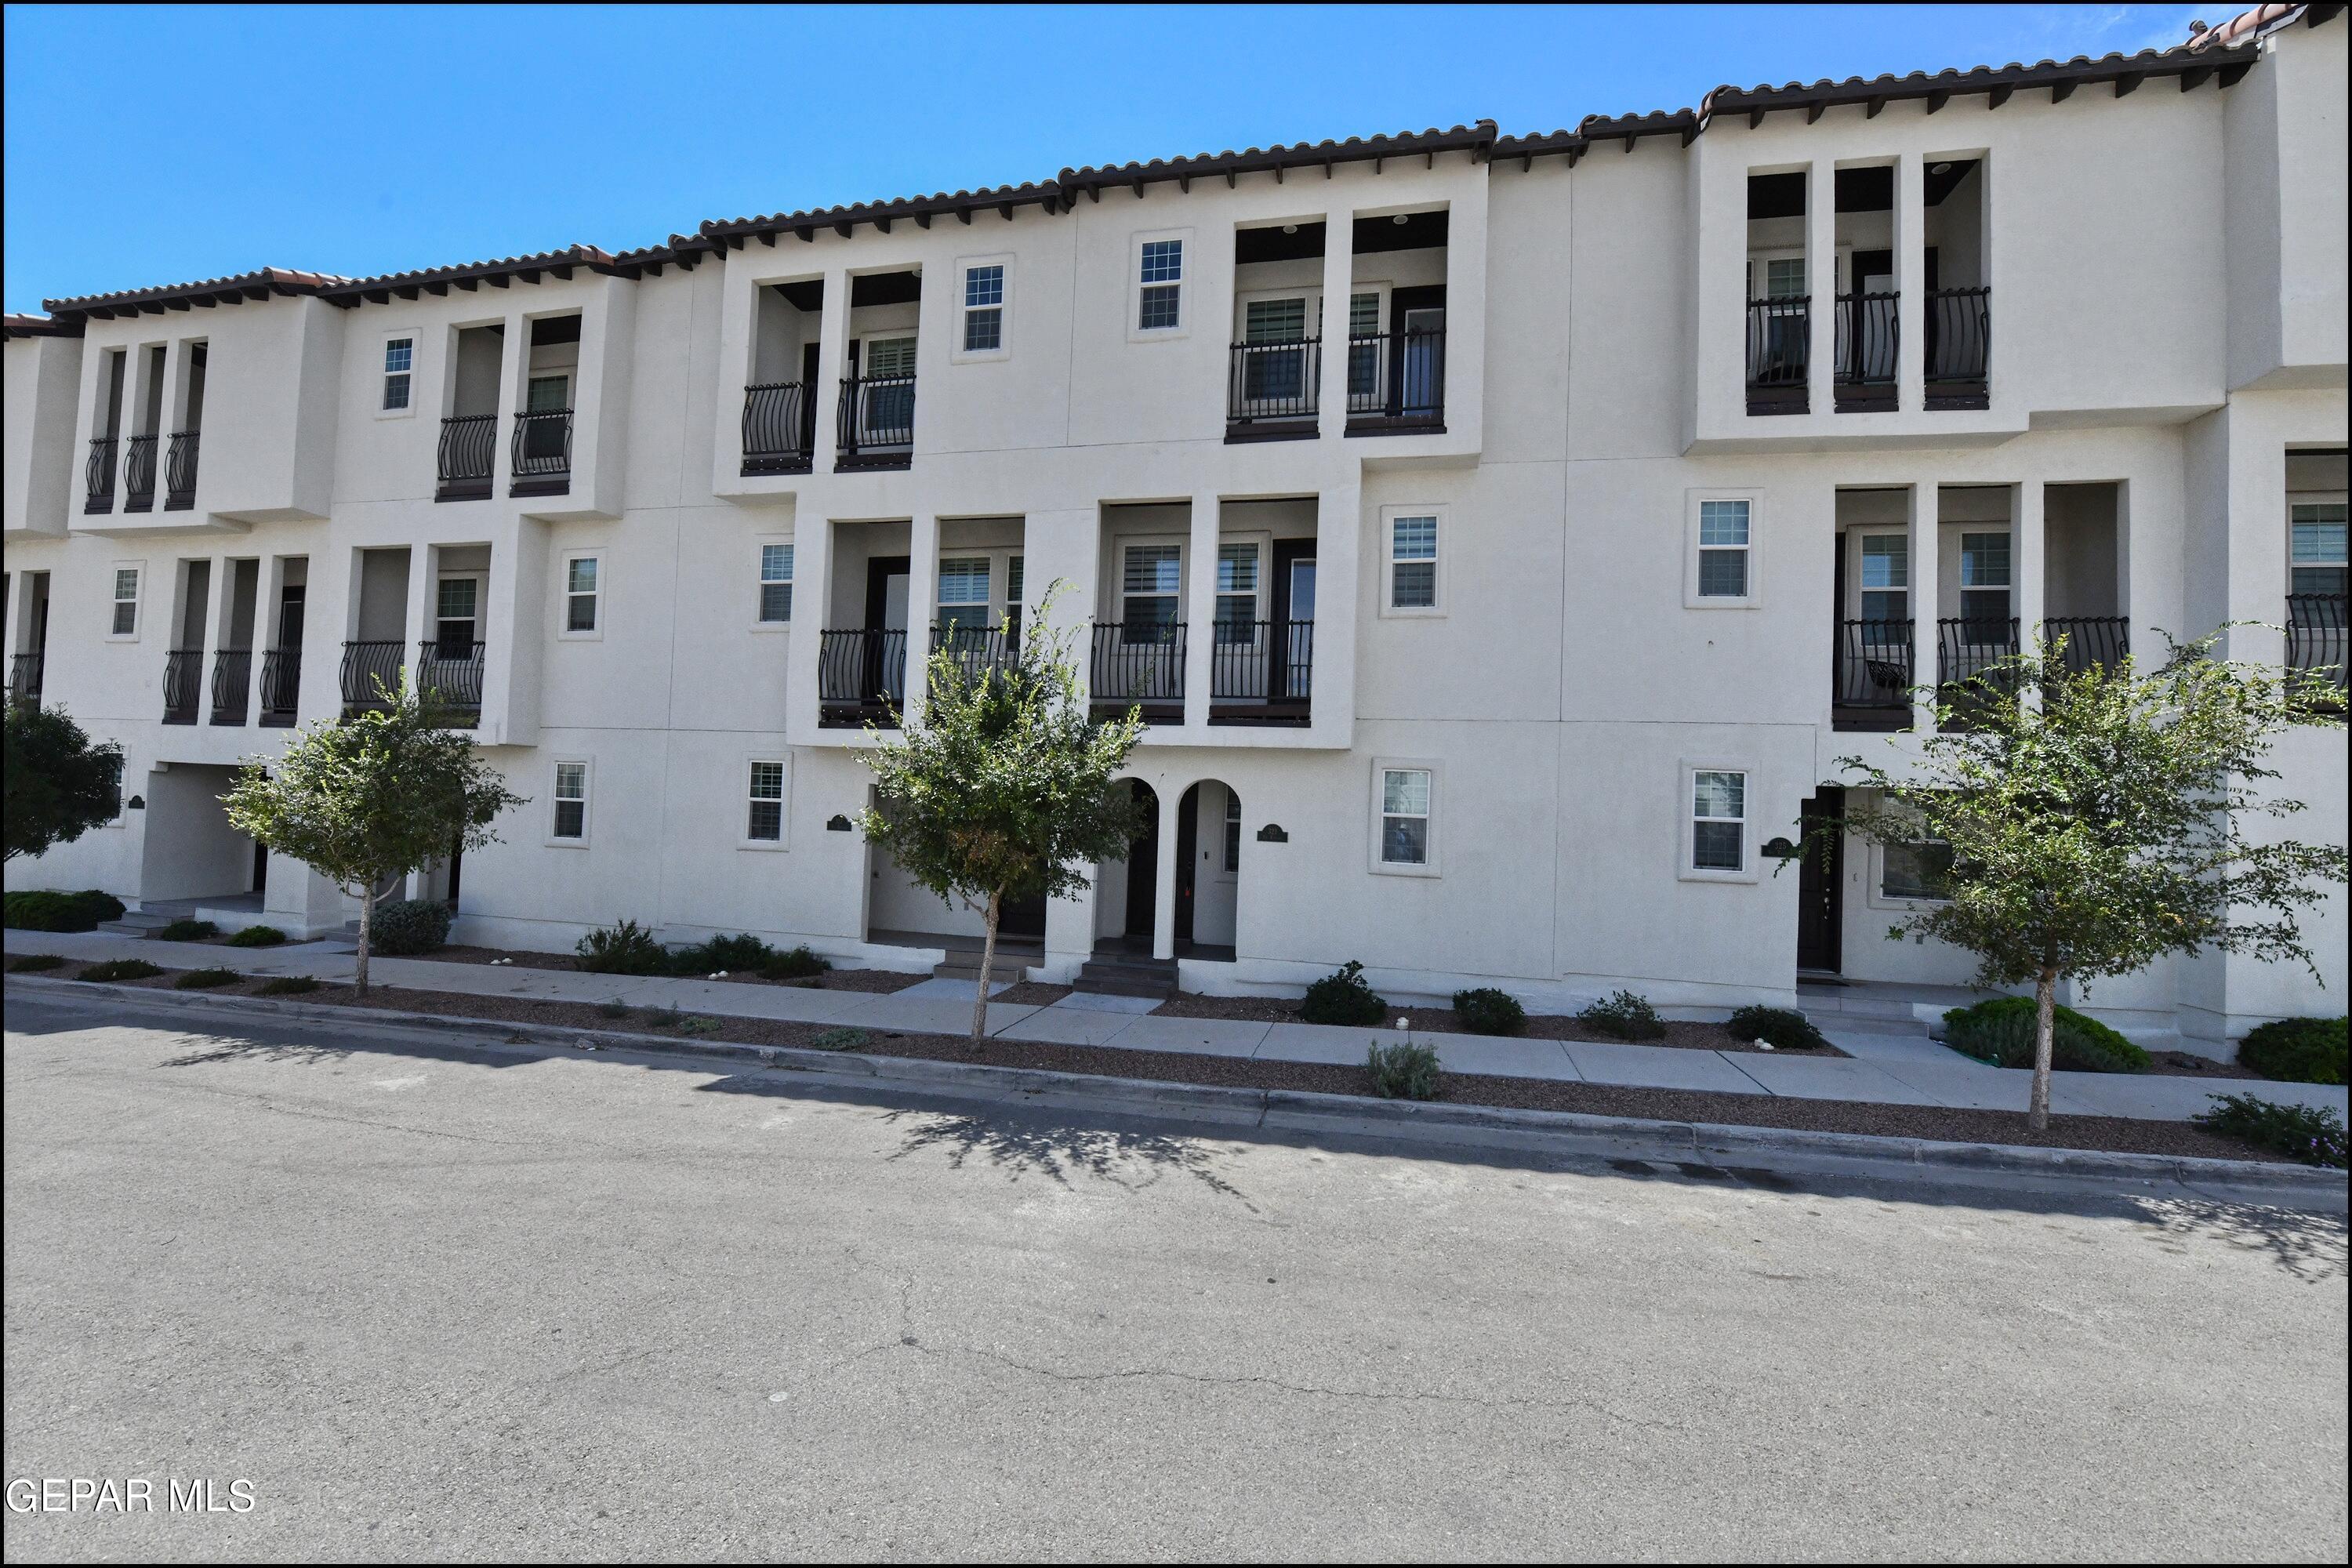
(1883, 1065)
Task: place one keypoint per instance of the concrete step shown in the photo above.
(1152, 977)
(135, 924)
(1012, 964)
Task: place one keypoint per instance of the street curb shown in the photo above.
(1305, 1110)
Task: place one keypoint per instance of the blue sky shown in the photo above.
(155, 145)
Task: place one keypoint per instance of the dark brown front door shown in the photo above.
(1821, 884)
(1143, 866)
(1188, 841)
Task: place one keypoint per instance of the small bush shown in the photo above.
(612, 1009)
(627, 948)
(698, 1024)
(289, 985)
(1625, 1015)
(2001, 1031)
(843, 1039)
(796, 964)
(1343, 997)
(1487, 1011)
(1780, 1028)
(2296, 1050)
(2315, 1137)
(121, 969)
(407, 927)
(41, 908)
(744, 953)
(187, 930)
(257, 936)
(1402, 1071)
(206, 979)
(32, 963)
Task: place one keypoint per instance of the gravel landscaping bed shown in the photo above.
(2124, 1134)
(878, 982)
(1679, 1035)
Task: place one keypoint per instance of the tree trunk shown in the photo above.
(987, 963)
(2045, 1020)
(367, 913)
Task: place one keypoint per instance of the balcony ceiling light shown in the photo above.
(1290, 228)
(1941, 169)
(1398, 220)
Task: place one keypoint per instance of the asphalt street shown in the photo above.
(456, 1302)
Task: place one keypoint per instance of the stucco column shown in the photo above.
(514, 395)
(1926, 601)
(832, 364)
(424, 566)
(922, 608)
(1911, 282)
(1338, 283)
(2029, 559)
(1200, 609)
(1821, 282)
(1164, 891)
(812, 610)
(219, 619)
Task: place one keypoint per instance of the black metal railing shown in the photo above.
(24, 680)
(1273, 385)
(232, 682)
(1265, 669)
(1872, 679)
(281, 685)
(450, 675)
(876, 421)
(861, 674)
(97, 474)
(1959, 346)
(1971, 674)
(1396, 379)
(1780, 353)
(2316, 634)
(779, 427)
(1869, 335)
(541, 452)
(184, 674)
(138, 474)
(977, 647)
(180, 470)
(464, 460)
(2092, 642)
(365, 664)
(1138, 663)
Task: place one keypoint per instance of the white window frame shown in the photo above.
(1963, 587)
(1858, 565)
(957, 353)
(1153, 540)
(1230, 834)
(1131, 295)
(1753, 598)
(480, 580)
(384, 341)
(564, 629)
(1879, 898)
(1378, 801)
(1310, 321)
(2308, 498)
(1389, 609)
(760, 581)
(1262, 598)
(1686, 820)
(587, 801)
(138, 600)
(743, 839)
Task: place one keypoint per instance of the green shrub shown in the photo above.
(407, 927)
(289, 985)
(795, 964)
(1405, 1071)
(257, 936)
(121, 969)
(2001, 1031)
(612, 1009)
(843, 1039)
(206, 979)
(743, 953)
(1780, 1028)
(1343, 997)
(2315, 1136)
(33, 963)
(2296, 1050)
(1625, 1015)
(187, 930)
(1487, 1011)
(627, 948)
(699, 1025)
(42, 909)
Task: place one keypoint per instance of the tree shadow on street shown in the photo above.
(2311, 1246)
(1021, 1144)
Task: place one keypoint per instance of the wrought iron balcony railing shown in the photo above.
(1138, 663)
(1959, 346)
(541, 453)
(2092, 642)
(463, 461)
(180, 470)
(1871, 686)
(25, 672)
(97, 474)
(779, 427)
(1780, 353)
(875, 422)
(1272, 388)
(138, 474)
(1396, 381)
(1261, 672)
(449, 674)
(232, 682)
(1869, 338)
(281, 686)
(368, 666)
(2315, 638)
(861, 676)
(183, 673)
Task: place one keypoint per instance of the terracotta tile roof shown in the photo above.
(2247, 25)
(1475, 138)
(255, 285)
(919, 210)
(43, 327)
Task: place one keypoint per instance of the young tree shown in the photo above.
(1004, 791)
(2098, 819)
(59, 786)
(372, 798)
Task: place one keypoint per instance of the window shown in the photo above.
(1404, 817)
(2315, 557)
(1885, 577)
(1236, 593)
(963, 595)
(984, 309)
(767, 821)
(1718, 821)
(399, 366)
(775, 584)
(1413, 562)
(885, 399)
(1784, 278)
(1160, 306)
(453, 630)
(1363, 358)
(570, 801)
(126, 602)
(549, 393)
(1013, 589)
(1152, 577)
(1271, 374)
(1723, 549)
(581, 589)
(1917, 870)
(1984, 586)
(1233, 832)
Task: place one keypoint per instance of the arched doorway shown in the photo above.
(1127, 892)
(1208, 869)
